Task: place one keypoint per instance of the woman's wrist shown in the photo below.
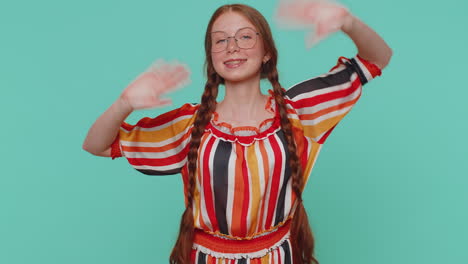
(348, 23)
(123, 106)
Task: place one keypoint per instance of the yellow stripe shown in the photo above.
(266, 259)
(320, 128)
(196, 202)
(254, 176)
(310, 161)
(170, 131)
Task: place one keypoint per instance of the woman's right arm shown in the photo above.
(143, 93)
(103, 132)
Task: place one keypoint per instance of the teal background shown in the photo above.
(390, 185)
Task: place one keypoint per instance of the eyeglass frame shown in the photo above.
(234, 37)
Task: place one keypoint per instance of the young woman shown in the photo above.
(244, 160)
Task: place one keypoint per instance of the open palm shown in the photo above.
(325, 17)
(146, 90)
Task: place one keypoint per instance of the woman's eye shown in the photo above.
(220, 41)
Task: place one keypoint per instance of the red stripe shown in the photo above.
(246, 201)
(275, 181)
(266, 171)
(371, 67)
(115, 148)
(234, 246)
(193, 255)
(207, 189)
(325, 136)
(212, 259)
(318, 99)
(185, 174)
(160, 162)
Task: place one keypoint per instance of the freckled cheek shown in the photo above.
(217, 62)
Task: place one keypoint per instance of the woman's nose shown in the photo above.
(232, 44)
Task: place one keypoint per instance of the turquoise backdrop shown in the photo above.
(390, 185)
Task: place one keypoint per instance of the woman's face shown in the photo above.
(236, 64)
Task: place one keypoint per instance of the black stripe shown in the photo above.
(287, 175)
(319, 83)
(155, 172)
(201, 258)
(242, 261)
(287, 252)
(358, 70)
(220, 183)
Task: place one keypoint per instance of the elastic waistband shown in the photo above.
(234, 249)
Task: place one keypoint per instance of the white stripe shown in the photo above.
(231, 174)
(283, 168)
(210, 169)
(274, 257)
(313, 122)
(281, 254)
(249, 177)
(270, 156)
(196, 257)
(290, 250)
(364, 69)
(288, 198)
(329, 103)
(203, 209)
(157, 155)
(261, 175)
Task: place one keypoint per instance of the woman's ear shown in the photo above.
(266, 58)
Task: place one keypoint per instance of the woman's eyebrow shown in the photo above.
(214, 31)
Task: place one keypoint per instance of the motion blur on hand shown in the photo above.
(323, 17)
(160, 78)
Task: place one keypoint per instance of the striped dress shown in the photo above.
(243, 198)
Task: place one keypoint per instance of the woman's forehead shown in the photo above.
(230, 22)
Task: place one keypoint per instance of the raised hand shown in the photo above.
(160, 78)
(324, 17)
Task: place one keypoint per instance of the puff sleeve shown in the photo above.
(320, 103)
(159, 145)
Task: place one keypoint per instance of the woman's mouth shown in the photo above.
(234, 63)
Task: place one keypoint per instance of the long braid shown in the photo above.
(182, 249)
(301, 235)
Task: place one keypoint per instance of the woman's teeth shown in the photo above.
(234, 62)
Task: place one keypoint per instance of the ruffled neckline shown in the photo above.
(246, 135)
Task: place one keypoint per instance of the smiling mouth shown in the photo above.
(234, 63)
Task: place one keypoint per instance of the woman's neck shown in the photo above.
(242, 101)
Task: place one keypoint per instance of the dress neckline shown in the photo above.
(246, 135)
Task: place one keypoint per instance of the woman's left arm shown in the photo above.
(328, 17)
(370, 45)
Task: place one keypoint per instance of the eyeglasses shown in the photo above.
(246, 38)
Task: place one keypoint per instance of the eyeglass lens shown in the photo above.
(245, 39)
